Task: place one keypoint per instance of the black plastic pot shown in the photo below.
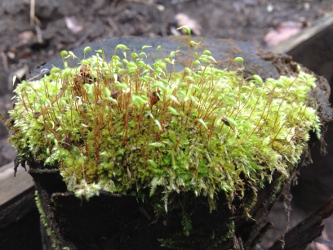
(119, 222)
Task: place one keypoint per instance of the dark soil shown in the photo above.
(27, 42)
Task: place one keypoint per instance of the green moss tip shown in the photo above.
(125, 126)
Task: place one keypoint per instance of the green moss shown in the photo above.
(125, 126)
(49, 231)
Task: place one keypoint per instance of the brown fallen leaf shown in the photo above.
(284, 31)
(183, 19)
(73, 24)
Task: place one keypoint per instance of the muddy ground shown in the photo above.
(33, 32)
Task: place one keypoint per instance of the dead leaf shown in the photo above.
(284, 31)
(73, 24)
(184, 20)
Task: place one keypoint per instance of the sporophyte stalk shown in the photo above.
(125, 126)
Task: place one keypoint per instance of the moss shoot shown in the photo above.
(125, 126)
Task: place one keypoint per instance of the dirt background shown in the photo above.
(33, 32)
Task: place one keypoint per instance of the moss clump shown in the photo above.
(125, 126)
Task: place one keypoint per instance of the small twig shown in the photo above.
(39, 33)
(32, 13)
(113, 24)
(34, 22)
(4, 61)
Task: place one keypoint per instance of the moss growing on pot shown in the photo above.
(126, 127)
(45, 222)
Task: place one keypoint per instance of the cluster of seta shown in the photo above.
(125, 126)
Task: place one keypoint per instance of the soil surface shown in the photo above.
(33, 34)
